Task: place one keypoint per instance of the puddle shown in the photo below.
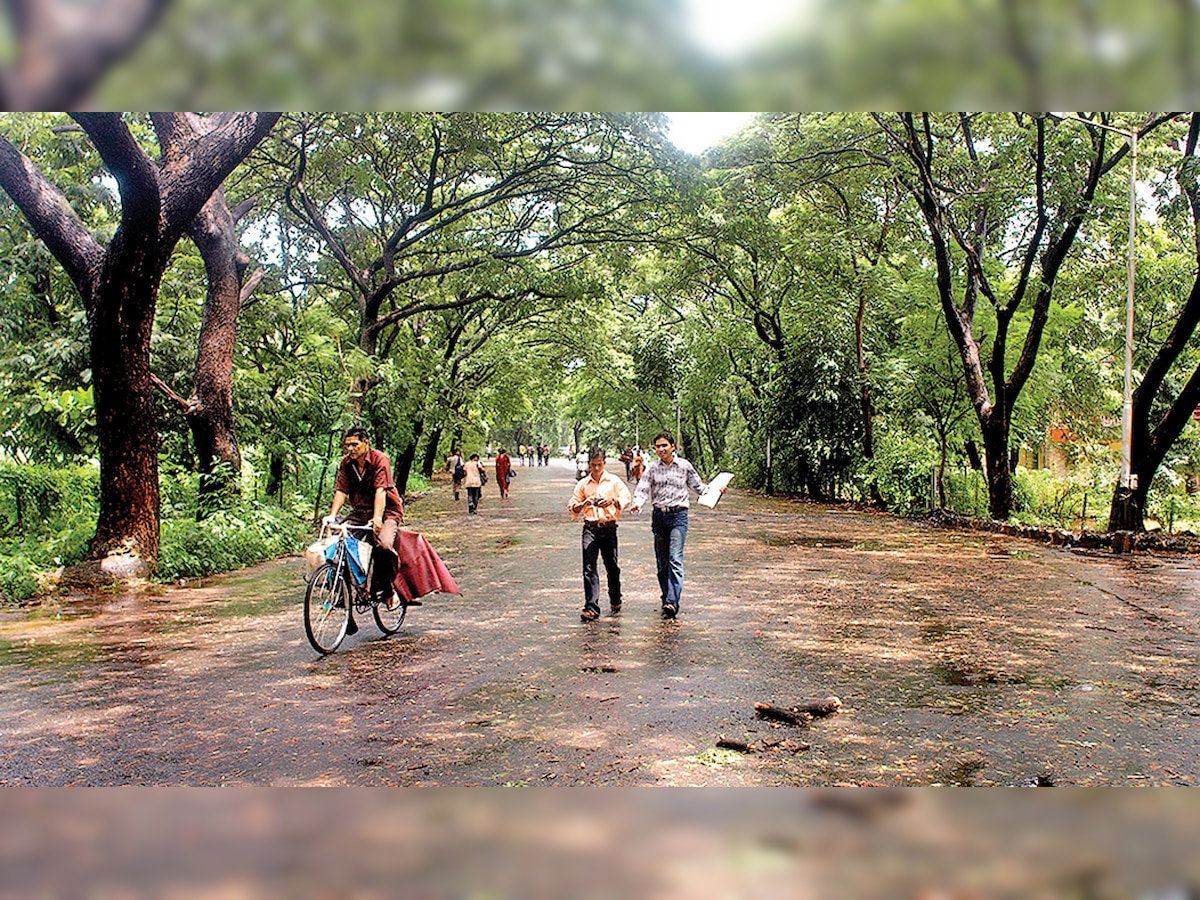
(958, 676)
(47, 654)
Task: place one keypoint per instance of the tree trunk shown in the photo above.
(275, 476)
(996, 468)
(402, 466)
(1127, 512)
(431, 453)
(210, 411)
(120, 329)
(119, 286)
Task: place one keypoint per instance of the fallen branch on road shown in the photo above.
(767, 711)
(800, 713)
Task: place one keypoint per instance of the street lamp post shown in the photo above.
(1128, 480)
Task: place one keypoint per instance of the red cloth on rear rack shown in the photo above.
(421, 570)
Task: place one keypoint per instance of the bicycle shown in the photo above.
(334, 594)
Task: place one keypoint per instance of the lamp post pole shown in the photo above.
(1128, 480)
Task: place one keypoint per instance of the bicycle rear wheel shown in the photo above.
(390, 620)
(326, 609)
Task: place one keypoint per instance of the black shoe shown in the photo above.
(669, 612)
(589, 615)
(352, 628)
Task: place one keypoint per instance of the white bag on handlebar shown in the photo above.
(314, 555)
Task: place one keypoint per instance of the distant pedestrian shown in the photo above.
(599, 498)
(665, 484)
(627, 459)
(455, 466)
(546, 455)
(474, 479)
(504, 472)
(637, 465)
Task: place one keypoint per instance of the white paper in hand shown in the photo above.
(710, 497)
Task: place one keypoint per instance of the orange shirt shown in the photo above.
(610, 488)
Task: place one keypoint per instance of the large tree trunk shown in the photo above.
(210, 411)
(1127, 512)
(126, 539)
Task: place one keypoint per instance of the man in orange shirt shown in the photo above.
(599, 498)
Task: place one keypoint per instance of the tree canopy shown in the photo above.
(838, 305)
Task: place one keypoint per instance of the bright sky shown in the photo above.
(695, 132)
(731, 27)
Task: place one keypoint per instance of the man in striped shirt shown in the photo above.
(665, 484)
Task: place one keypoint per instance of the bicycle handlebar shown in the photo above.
(343, 527)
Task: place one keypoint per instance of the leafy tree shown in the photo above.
(991, 190)
(481, 217)
(119, 287)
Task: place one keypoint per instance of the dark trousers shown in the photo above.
(670, 532)
(600, 541)
(473, 495)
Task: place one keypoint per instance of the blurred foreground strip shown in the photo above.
(592, 842)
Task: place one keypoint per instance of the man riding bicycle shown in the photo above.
(364, 477)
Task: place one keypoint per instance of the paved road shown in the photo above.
(959, 658)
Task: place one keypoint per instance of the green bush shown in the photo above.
(900, 472)
(966, 492)
(42, 499)
(227, 540)
(18, 577)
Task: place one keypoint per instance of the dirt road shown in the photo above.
(959, 659)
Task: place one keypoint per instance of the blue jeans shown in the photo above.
(670, 532)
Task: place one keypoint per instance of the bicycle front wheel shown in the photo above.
(326, 609)
(390, 620)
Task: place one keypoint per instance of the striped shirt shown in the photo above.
(667, 486)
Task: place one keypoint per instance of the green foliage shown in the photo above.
(228, 539)
(900, 472)
(18, 576)
(815, 422)
(47, 517)
(1041, 498)
(966, 492)
(38, 500)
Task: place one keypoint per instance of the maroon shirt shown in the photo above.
(360, 486)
